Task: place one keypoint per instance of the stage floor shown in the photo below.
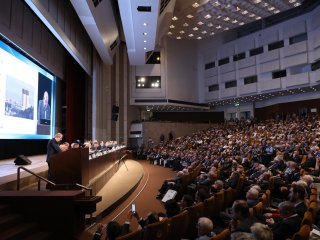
(8, 170)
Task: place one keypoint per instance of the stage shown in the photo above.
(127, 176)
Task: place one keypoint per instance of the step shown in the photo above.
(19, 231)
(10, 220)
(40, 236)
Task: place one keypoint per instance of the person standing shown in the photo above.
(53, 148)
(44, 111)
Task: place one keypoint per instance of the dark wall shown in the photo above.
(283, 109)
(203, 117)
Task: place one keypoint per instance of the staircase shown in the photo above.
(13, 226)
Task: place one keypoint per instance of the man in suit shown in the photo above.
(53, 148)
(44, 110)
(288, 225)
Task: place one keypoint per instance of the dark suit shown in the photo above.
(44, 112)
(52, 149)
(301, 208)
(286, 227)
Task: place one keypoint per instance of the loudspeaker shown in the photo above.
(114, 117)
(22, 160)
(115, 109)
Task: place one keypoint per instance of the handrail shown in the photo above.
(44, 179)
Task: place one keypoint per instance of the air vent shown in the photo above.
(144, 8)
(113, 45)
(96, 2)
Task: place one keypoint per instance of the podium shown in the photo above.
(70, 167)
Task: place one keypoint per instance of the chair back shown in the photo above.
(224, 235)
(135, 235)
(303, 233)
(208, 207)
(157, 231)
(195, 212)
(178, 225)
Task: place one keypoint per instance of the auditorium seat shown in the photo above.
(178, 225)
(195, 212)
(135, 235)
(224, 235)
(303, 233)
(208, 207)
(157, 231)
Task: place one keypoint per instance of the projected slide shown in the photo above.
(26, 97)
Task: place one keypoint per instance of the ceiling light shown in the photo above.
(185, 24)
(226, 19)
(258, 17)
(174, 18)
(292, 1)
(145, 24)
(276, 11)
(297, 4)
(143, 79)
(190, 35)
(182, 32)
(257, 1)
(252, 15)
(144, 33)
(178, 37)
(189, 16)
(199, 38)
(207, 16)
(271, 8)
(146, 40)
(218, 16)
(171, 26)
(204, 32)
(145, 48)
(226, 29)
(241, 23)
(244, 12)
(139, 85)
(195, 29)
(265, 4)
(210, 25)
(218, 27)
(200, 23)
(235, 21)
(195, 5)
(238, 9)
(212, 33)
(169, 33)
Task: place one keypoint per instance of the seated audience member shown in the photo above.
(186, 202)
(261, 231)
(252, 197)
(174, 183)
(201, 195)
(76, 144)
(216, 187)
(113, 230)
(152, 217)
(241, 219)
(205, 227)
(288, 225)
(172, 208)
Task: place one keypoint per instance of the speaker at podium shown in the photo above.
(22, 160)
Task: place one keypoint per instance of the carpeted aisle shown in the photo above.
(144, 196)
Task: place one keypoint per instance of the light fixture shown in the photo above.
(145, 24)
(185, 24)
(144, 41)
(207, 16)
(190, 35)
(143, 79)
(178, 37)
(169, 33)
(218, 27)
(144, 33)
(235, 21)
(210, 25)
(200, 23)
(204, 32)
(145, 48)
(195, 5)
(174, 18)
(182, 32)
(195, 29)
(199, 38)
(171, 26)
(189, 16)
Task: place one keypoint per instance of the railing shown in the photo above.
(45, 180)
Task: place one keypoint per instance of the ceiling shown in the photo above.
(189, 19)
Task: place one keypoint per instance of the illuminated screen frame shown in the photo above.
(23, 83)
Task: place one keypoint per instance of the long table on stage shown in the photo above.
(73, 166)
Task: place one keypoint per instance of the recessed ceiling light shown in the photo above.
(195, 29)
(265, 4)
(207, 16)
(146, 40)
(174, 18)
(244, 12)
(189, 16)
(210, 25)
(271, 8)
(195, 5)
(190, 35)
(276, 11)
(226, 19)
(185, 24)
(144, 33)
(200, 23)
(182, 32)
(169, 33)
(212, 33)
(292, 1)
(257, 1)
(258, 17)
(251, 15)
(241, 23)
(199, 38)
(171, 26)
(218, 16)
(215, 4)
(297, 4)
(226, 28)
(145, 24)
(178, 37)
(235, 21)
(238, 9)
(218, 27)
(145, 48)
(204, 32)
